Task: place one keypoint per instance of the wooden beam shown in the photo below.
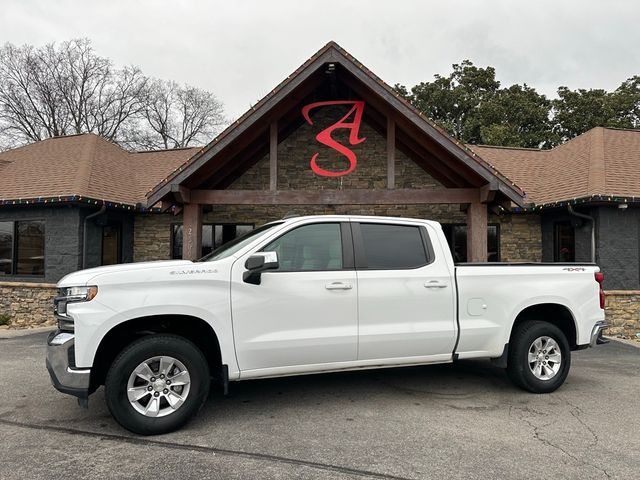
(335, 197)
(181, 194)
(439, 169)
(273, 156)
(391, 153)
(254, 152)
(436, 168)
(192, 231)
(374, 123)
(477, 232)
(488, 193)
(238, 166)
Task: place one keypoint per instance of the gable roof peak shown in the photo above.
(260, 113)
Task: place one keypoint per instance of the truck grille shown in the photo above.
(65, 322)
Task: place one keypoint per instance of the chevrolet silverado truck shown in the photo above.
(309, 295)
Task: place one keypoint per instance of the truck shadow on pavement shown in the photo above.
(461, 380)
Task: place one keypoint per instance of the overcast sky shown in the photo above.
(240, 49)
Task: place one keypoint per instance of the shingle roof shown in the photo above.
(603, 162)
(86, 166)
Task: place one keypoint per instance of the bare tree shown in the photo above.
(65, 89)
(29, 107)
(178, 116)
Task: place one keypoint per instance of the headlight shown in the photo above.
(70, 295)
(80, 294)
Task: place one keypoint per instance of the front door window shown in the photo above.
(309, 248)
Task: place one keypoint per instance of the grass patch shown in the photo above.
(5, 319)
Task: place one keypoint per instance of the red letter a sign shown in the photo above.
(324, 137)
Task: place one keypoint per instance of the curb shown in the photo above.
(25, 331)
(633, 343)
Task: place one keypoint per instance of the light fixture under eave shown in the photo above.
(623, 206)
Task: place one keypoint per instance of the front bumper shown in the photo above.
(596, 333)
(61, 366)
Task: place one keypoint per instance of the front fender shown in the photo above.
(95, 319)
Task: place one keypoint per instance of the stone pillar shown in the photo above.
(192, 231)
(477, 232)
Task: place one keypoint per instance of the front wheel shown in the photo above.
(539, 357)
(156, 384)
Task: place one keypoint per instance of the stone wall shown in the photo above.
(622, 309)
(27, 304)
(295, 152)
(152, 236)
(520, 237)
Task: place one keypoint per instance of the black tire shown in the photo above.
(136, 353)
(518, 366)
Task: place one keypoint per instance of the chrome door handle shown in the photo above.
(338, 286)
(435, 284)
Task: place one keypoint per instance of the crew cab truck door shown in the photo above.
(305, 311)
(406, 294)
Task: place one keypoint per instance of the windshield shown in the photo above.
(236, 244)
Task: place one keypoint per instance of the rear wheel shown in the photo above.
(539, 357)
(157, 384)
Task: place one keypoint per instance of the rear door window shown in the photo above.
(391, 247)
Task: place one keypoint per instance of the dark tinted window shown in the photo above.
(6, 248)
(493, 244)
(392, 246)
(111, 247)
(308, 248)
(213, 237)
(564, 245)
(457, 238)
(30, 248)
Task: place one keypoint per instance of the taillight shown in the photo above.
(600, 278)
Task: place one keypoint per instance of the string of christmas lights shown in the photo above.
(578, 201)
(74, 199)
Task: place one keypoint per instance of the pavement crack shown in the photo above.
(537, 436)
(205, 449)
(576, 412)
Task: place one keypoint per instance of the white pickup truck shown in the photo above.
(309, 295)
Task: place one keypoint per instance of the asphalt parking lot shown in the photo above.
(461, 421)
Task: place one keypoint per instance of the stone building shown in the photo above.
(331, 138)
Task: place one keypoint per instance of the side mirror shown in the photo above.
(258, 263)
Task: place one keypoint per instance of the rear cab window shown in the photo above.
(387, 246)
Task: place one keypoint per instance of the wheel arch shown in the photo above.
(194, 329)
(553, 313)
